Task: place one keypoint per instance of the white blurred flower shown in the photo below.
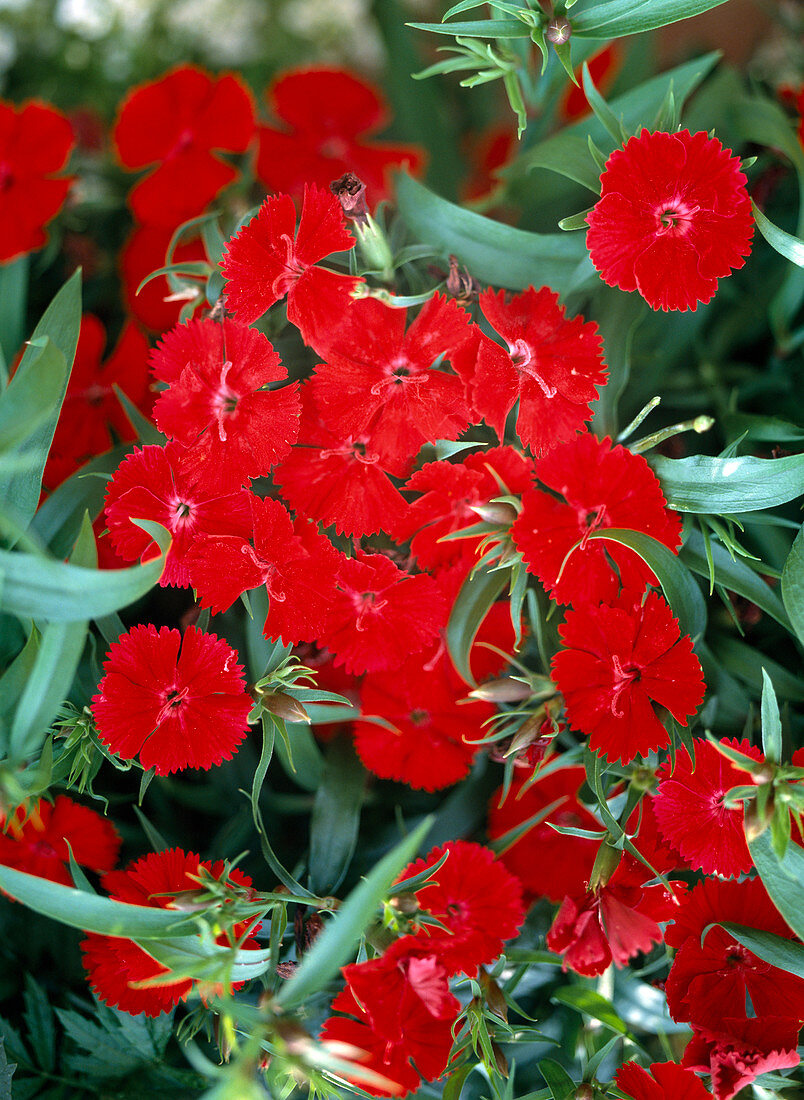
(8, 49)
(88, 18)
(343, 30)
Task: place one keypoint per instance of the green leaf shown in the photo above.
(55, 591)
(478, 592)
(337, 943)
(764, 429)
(780, 952)
(30, 399)
(561, 1085)
(92, 913)
(792, 248)
(618, 18)
(38, 1018)
(733, 574)
(679, 586)
(721, 486)
(59, 652)
(300, 754)
(59, 324)
(494, 253)
(771, 723)
(591, 1004)
(601, 110)
(13, 297)
(188, 267)
(783, 878)
(477, 28)
(567, 152)
(792, 585)
(147, 432)
(743, 661)
(336, 817)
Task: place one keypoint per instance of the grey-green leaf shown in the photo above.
(721, 486)
(494, 253)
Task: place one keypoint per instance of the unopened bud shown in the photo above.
(350, 191)
(606, 863)
(406, 904)
(494, 996)
(584, 1091)
(504, 690)
(499, 512)
(285, 706)
(755, 822)
(286, 970)
(500, 1061)
(763, 773)
(558, 31)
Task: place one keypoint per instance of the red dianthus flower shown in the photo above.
(552, 365)
(691, 813)
(453, 497)
(37, 843)
(618, 661)
(269, 258)
(477, 901)
(380, 614)
(602, 486)
(177, 121)
(35, 144)
(404, 999)
(297, 565)
(174, 486)
(218, 394)
(547, 863)
(329, 116)
(378, 378)
(114, 964)
(613, 922)
(674, 216)
(708, 980)
(176, 701)
(338, 480)
(431, 743)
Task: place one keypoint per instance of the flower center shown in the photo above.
(419, 717)
(674, 218)
(589, 521)
(622, 679)
(293, 269)
(174, 699)
(524, 361)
